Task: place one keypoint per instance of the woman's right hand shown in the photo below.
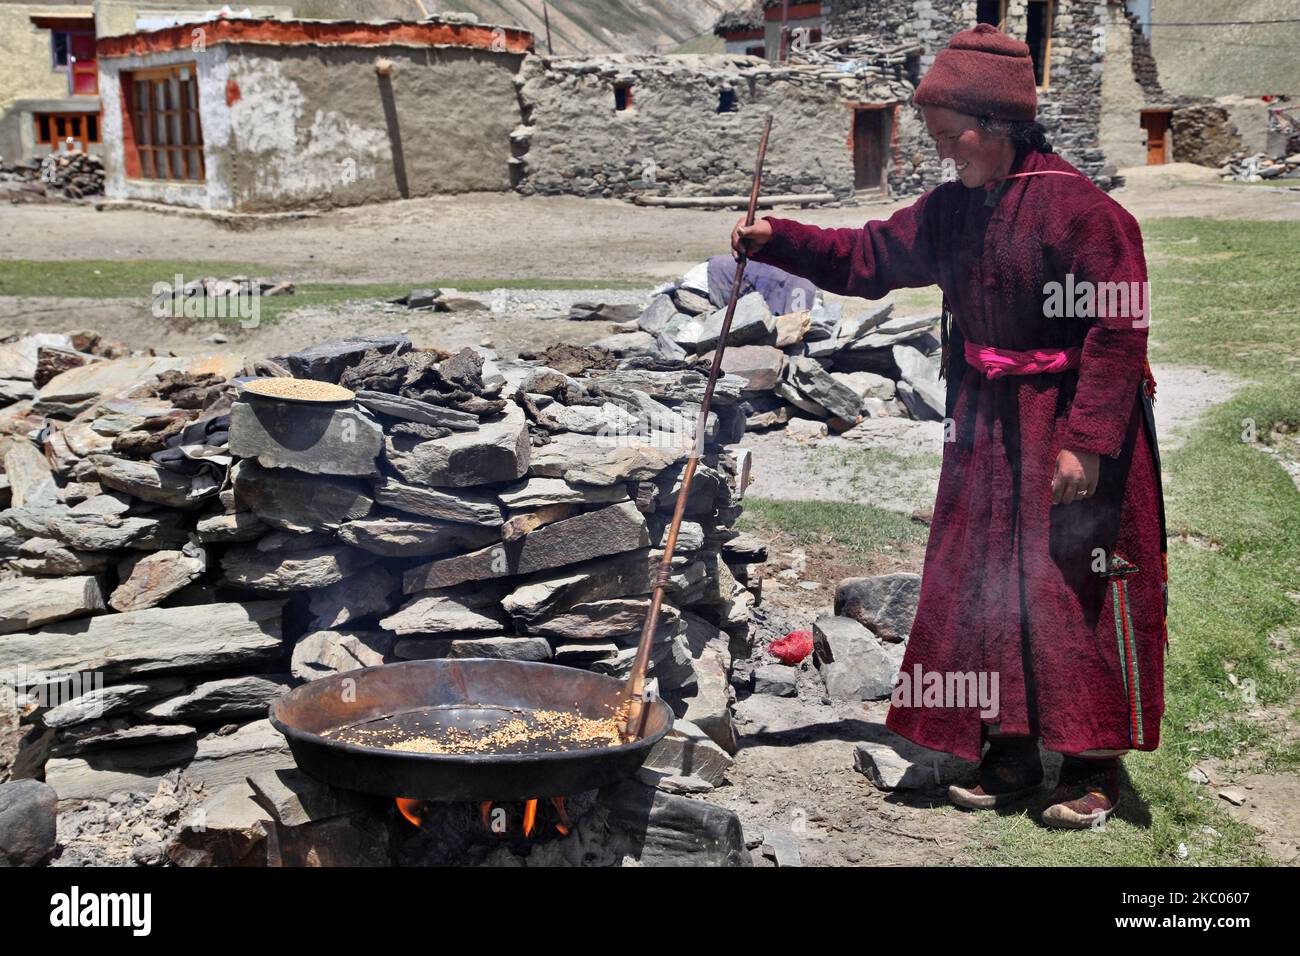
(749, 239)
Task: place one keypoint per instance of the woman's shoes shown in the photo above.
(1088, 792)
(1010, 770)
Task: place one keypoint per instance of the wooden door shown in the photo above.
(870, 148)
(1156, 123)
(83, 69)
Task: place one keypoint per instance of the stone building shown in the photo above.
(49, 74)
(1066, 39)
(689, 125)
(1224, 70)
(271, 114)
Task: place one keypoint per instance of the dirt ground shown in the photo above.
(512, 237)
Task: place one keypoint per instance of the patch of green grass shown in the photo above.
(1229, 580)
(108, 278)
(1226, 294)
(861, 529)
(136, 279)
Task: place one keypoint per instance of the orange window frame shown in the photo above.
(53, 128)
(163, 130)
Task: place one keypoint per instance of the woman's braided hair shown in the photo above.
(1026, 135)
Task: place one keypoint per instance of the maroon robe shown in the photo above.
(1065, 603)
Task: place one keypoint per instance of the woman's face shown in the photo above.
(978, 154)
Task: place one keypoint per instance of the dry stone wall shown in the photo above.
(680, 134)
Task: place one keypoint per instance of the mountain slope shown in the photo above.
(577, 26)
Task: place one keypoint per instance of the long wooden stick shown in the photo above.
(636, 680)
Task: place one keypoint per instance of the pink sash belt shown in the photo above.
(995, 362)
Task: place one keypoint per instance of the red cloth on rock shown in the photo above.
(1012, 584)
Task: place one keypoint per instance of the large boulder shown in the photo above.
(316, 439)
(496, 451)
(853, 662)
(920, 387)
(884, 604)
(327, 361)
(29, 813)
(293, 501)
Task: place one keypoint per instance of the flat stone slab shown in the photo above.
(228, 700)
(414, 410)
(471, 608)
(316, 439)
(618, 618)
(902, 765)
(464, 507)
(156, 577)
(214, 761)
(537, 492)
(322, 653)
(31, 602)
(547, 595)
(108, 701)
(327, 361)
(149, 482)
(78, 388)
(311, 568)
(816, 385)
(290, 500)
(496, 451)
(611, 530)
(752, 322)
(394, 536)
(499, 647)
(153, 641)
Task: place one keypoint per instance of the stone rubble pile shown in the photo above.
(858, 53)
(211, 287)
(68, 175)
(809, 371)
(199, 549)
(1251, 168)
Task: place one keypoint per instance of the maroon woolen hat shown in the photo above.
(982, 72)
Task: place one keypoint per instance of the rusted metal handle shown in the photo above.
(636, 679)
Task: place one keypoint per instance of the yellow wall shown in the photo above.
(25, 66)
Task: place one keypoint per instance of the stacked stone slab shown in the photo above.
(816, 364)
(495, 509)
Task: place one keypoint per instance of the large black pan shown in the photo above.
(414, 697)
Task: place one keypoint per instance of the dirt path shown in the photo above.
(508, 236)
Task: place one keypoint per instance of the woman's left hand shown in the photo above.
(1076, 476)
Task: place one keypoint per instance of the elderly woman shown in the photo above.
(1045, 564)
